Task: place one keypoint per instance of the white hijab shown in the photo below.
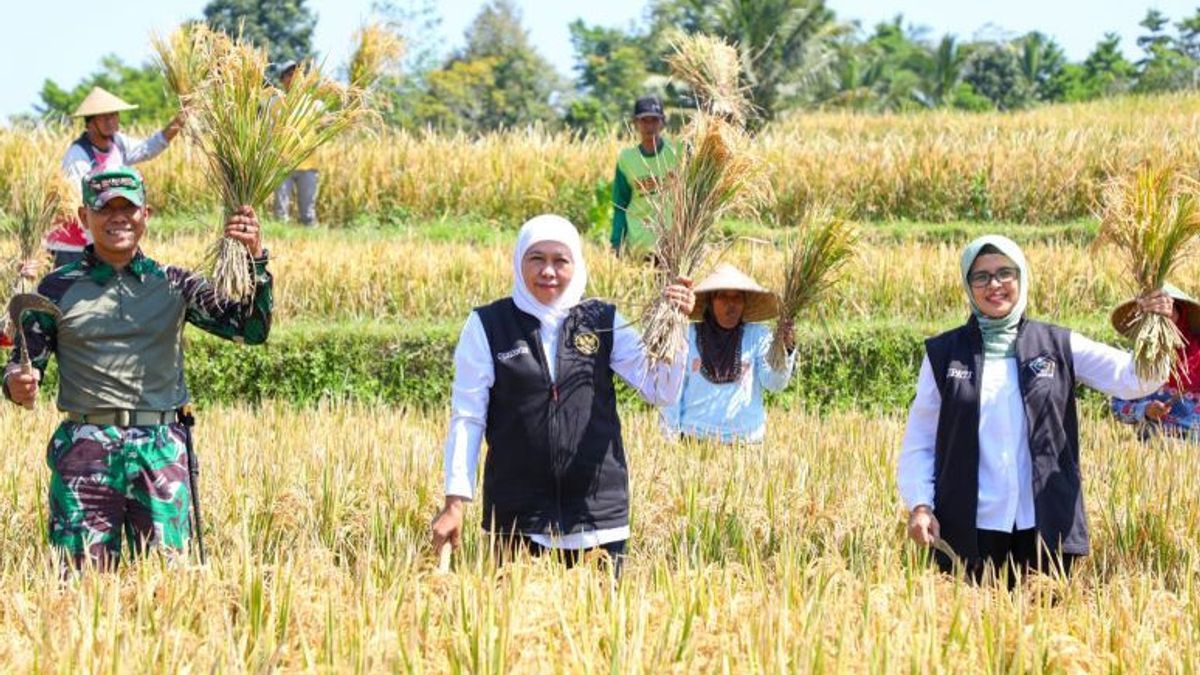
(541, 228)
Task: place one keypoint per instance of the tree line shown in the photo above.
(797, 55)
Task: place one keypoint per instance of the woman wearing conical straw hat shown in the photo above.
(101, 146)
(1173, 410)
(533, 375)
(989, 466)
(727, 369)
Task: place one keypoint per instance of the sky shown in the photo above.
(63, 40)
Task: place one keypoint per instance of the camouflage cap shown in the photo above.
(124, 181)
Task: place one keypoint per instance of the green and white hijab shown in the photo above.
(999, 335)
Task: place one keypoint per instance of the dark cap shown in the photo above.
(648, 106)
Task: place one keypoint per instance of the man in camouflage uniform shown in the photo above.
(119, 462)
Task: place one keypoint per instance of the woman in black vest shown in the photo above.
(533, 375)
(990, 461)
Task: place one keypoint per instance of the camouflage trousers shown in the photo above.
(108, 481)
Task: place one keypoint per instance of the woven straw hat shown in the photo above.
(761, 304)
(1122, 316)
(101, 102)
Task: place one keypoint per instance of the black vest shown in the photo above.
(1046, 375)
(555, 461)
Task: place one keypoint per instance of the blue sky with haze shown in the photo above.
(64, 39)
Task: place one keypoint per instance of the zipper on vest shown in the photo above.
(556, 453)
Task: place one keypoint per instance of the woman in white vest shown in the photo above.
(989, 467)
(533, 375)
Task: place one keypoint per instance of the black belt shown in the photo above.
(124, 418)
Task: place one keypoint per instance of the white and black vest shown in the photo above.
(555, 461)
(1046, 376)
(85, 143)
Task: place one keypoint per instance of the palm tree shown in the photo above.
(944, 71)
(787, 47)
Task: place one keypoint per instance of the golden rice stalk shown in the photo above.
(187, 55)
(377, 53)
(254, 136)
(1153, 216)
(718, 176)
(38, 195)
(812, 266)
(711, 68)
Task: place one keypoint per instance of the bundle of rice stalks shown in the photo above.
(1153, 216)
(718, 174)
(38, 196)
(812, 266)
(254, 136)
(377, 53)
(711, 68)
(187, 55)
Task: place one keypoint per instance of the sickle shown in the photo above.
(17, 307)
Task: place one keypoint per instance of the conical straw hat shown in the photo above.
(1122, 316)
(101, 102)
(761, 304)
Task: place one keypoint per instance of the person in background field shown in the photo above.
(118, 462)
(641, 170)
(533, 375)
(302, 181)
(727, 372)
(989, 465)
(1173, 410)
(101, 146)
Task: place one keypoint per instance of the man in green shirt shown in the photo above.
(641, 173)
(119, 461)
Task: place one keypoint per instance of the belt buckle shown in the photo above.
(122, 418)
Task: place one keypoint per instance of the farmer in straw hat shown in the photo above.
(302, 181)
(533, 375)
(989, 465)
(118, 461)
(727, 371)
(101, 146)
(641, 170)
(1173, 410)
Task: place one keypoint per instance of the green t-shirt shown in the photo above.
(640, 178)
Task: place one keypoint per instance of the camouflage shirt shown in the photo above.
(119, 341)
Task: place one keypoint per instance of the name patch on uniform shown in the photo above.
(958, 373)
(513, 353)
(1043, 366)
(587, 343)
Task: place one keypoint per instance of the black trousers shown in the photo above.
(1007, 554)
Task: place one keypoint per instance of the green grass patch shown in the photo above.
(853, 366)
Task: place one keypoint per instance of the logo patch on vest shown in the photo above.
(953, 373)
(587, 343)
(1043, 366)
(513, 353)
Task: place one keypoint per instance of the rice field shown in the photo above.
(790, 556)
(936, 166)
(785, 557)
(335, 276)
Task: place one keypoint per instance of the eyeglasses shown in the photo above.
(1003, 275)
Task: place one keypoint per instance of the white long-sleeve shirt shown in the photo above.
(1005, 465)
(76, 164)
(474, 375)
